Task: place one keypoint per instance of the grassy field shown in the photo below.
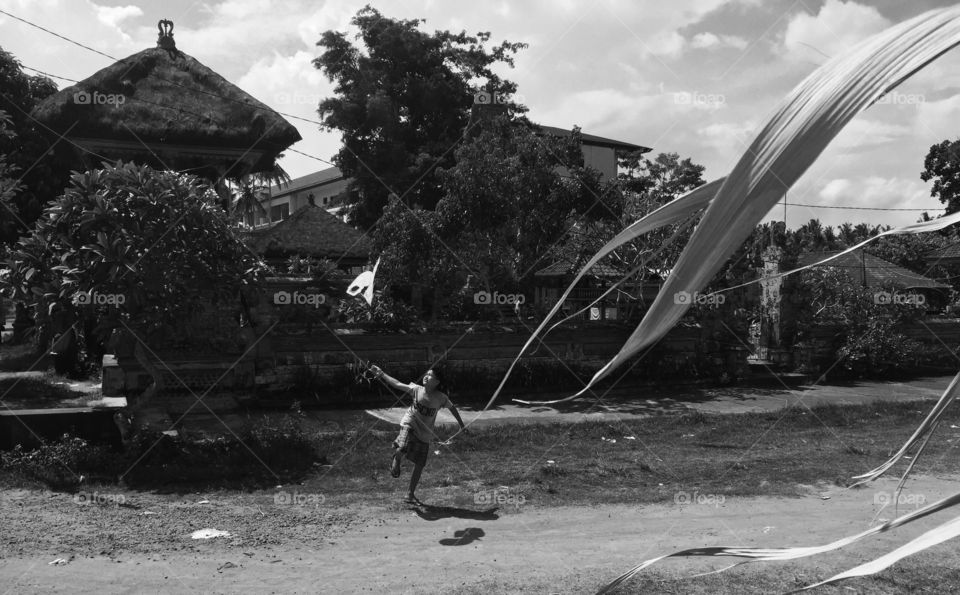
(651, 460)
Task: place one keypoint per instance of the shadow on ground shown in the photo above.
(429, 512)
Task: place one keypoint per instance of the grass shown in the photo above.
(35, 393)
(757, 454)
(21, 358)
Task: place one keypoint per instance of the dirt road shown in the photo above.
(298, 544)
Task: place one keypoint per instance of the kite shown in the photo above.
(364, 283)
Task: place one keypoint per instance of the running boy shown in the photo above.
(416, 427)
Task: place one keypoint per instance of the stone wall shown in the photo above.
(297, 351)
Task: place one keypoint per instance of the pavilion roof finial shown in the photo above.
(165, 38)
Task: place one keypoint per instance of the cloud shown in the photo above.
(837, 27)
(114, 15)
(876, 192)
(709, 40)
(862, 134)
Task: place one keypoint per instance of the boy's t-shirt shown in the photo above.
(423, 413)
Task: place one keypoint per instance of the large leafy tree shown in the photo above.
(43, 164)
(648, 184)
(508, 203)
(9, 186)
(155, 243)
(402, 103)
(942, 165)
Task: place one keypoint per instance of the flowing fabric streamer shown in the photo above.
(800, 129)
(946, 531)
(810, 117)
(788, 553)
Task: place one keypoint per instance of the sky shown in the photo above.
(693, 77)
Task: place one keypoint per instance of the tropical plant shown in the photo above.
(130, 248)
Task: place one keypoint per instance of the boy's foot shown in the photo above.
(411, 500)
(395, 467)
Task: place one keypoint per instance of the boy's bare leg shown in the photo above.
(395, 463)
(414, 480)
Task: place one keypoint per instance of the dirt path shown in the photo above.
(145, 545)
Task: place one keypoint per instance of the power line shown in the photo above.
(167, 107)
(794, 204)
(175, 83)
(286, 115)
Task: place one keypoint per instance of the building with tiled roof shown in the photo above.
(323, 188)
(946, 256)
(873, 271)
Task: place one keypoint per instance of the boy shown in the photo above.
(416, 427)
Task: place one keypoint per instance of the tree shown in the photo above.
(647, 185)
(9, 186)
(868, 337)
(45, 167)
(942, 165)
(153, 245)
(402, 103)
(506, 204)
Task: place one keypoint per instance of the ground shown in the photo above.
(293, 539)
(125, 542)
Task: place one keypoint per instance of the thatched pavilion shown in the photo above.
(163, 108)
(311, 232)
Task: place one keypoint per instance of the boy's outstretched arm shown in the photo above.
(390, 380)
(456, 414)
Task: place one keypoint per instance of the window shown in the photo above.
(280, 212)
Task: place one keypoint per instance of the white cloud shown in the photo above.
(876, 192)
(861, 134)
(114, 15)
(666, 43)
(837, 27)
(708, 40)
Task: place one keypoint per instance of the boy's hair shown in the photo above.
(439, 374)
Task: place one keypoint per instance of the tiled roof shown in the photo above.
(310, 230)
(563, 268)
(877, 270)
(308, 181)
(948, 253)
(592, 139)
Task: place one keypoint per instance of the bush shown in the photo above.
(264, 454)
(386, 313)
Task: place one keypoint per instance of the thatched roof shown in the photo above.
(173, 103)
(310, 231)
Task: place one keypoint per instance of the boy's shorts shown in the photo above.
(413, 448)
